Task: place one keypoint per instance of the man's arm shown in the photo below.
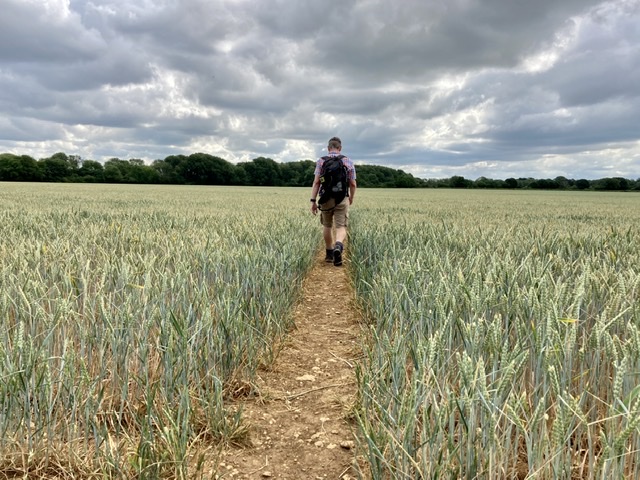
(352, 190)
(314, 193)
(351, 169)
(315, 187)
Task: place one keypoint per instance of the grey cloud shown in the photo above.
(31, 32)
(190, 27)
(20, 94)
(304, 19)
(581, 129)
(603, 64)
(434, 86)
(118, 66)
(19, 129)
(422, 39)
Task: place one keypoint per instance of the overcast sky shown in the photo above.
(495, 88)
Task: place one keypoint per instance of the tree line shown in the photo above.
(205, 169)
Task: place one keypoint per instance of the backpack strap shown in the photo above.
(327, 157)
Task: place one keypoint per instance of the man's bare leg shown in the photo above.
(327, 233)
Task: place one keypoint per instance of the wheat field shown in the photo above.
(501, 334)
(131, 314)
(504, 334)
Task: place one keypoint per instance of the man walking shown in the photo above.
(334, 207)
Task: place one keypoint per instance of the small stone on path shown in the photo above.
(348, 444)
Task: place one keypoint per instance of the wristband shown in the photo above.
(313, 200)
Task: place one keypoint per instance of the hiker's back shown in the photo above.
(334, 181)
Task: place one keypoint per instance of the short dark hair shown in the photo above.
(335, 143)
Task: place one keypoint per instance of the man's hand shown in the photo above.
(314, 208)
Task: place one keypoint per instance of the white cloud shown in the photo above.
(465, 87)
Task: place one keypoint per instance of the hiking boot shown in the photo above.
(337, 255)
(329, 256)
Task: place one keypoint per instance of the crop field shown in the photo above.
(504, 336)
(501, 330)
(130, 313)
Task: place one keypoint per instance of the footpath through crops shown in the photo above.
(501, 330)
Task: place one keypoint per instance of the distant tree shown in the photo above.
(608, 183)
(91, 171)
(376, 176)
(73, 161)
(262, 171)
(582, 184)
(175, 160)
(458, 181)
(297, 174)
(115, 170)
(562, 182)
(166, 172)
(484, 182)
(623, 183)
(54, 169)
(139, 172)
(544, 184)
(370, 176)
(205, 169)
(511, 183)
(405, 180)
(18, 168)
(431, 183)
(202, 168)
(239, 176)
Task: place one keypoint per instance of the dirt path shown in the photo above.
(299, 426)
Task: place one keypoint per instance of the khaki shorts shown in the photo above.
(338, 216)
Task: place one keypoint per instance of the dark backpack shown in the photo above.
(334, 182)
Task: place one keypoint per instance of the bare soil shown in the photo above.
(299, 422)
